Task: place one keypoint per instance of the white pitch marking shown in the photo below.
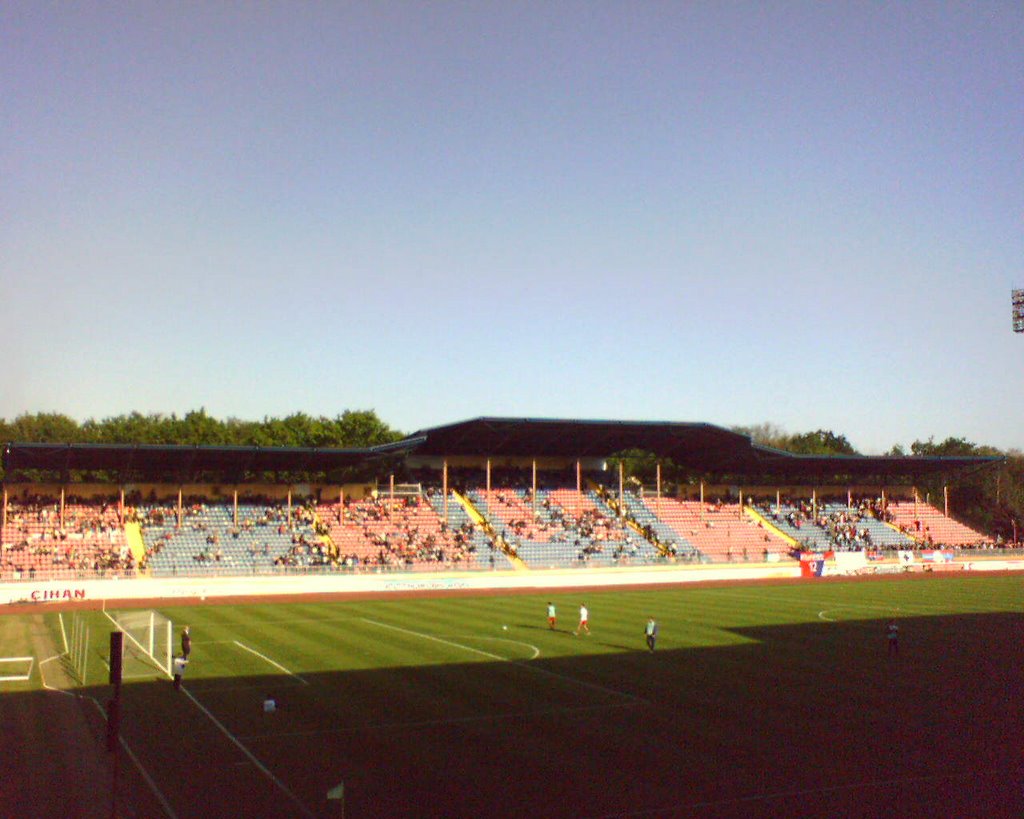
(822, 613)
(272, 662)
(534, 656)
(521, 664)
(263, 768)
(430, 723)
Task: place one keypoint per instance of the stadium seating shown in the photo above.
(835, 526)
(408, 534)
(209, 543)
(562, 528)
(718, 530)
(91, 541)
(927, 526)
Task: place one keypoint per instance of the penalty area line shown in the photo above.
(440, 723)
(249, 755)
(274, 663)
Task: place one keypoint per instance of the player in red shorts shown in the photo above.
(551, 616)
(583, 626)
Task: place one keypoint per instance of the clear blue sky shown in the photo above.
(802, 213)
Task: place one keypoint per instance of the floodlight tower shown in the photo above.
(1017, 297)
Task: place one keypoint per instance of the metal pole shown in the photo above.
(120, 507)
(778, 502)
(179, 507)
(849, 499)
(3, 518)
(945, 497)
(533, 496)
(579, 486)
(488, 480)
(657, 496)
(444, 488)
(621, 496)
(235, 511)
(289, 507)
(701, 501)
(391, 494)
(62, 507)
(341, 505)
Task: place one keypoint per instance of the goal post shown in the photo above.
(77, 646)
(148, 640)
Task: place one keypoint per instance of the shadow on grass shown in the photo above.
(810, 719)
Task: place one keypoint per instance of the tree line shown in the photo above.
(352, 428)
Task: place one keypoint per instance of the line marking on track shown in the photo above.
(433, 723)
(272, 662)
(259, 765)
(518, 663)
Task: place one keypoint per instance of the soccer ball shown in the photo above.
(504, 628)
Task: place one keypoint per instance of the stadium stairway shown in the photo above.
(133, 534)
(479, 519)
(769, 526)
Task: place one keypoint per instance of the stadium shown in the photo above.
(399, 625)
(697, 484)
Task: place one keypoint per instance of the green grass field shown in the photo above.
(760, 700)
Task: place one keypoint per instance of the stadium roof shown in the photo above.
(153, 458)
(701, 447)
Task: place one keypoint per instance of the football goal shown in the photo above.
(148, 638)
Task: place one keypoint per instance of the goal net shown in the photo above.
(148, 639)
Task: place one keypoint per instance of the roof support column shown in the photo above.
(579, 486)
(621, 495)
(945, 498)
(391, 494)
(341, 505)
(62, 506)
(533, 494)
(814, 503)
(657, 484)
(179, 506)
(702, 501)
(741, 504)
(488, 481)
(3, 518)
(120, 506)
(234, 510)
(289, 507)
(849, 499)
(444, 489)
(778, 501)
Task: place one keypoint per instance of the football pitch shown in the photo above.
(760, 700)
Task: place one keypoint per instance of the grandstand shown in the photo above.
(525, 505)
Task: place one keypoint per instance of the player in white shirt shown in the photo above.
(584, 616)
